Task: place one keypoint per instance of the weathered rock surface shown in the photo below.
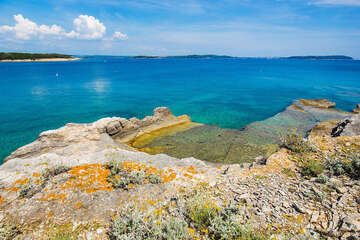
(348, 127)
(94, 137)
(270, 193)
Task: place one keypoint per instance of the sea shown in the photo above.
(227, 92)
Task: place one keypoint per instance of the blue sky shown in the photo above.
(174, 27)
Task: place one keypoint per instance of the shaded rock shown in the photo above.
(348, 127)
(350, 223)
(261, 160)
(323, 128)
(299, 208)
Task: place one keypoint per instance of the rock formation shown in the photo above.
(82, 181)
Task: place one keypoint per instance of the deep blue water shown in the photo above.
(228, 92)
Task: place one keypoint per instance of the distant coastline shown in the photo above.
(35, 57)
(330, 57)
(43, 60)
(209, 56)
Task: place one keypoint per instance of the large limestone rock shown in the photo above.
(93, 137)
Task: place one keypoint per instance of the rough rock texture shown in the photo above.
(93, 137)
(323, 128)
(347, 127)
(269, 194)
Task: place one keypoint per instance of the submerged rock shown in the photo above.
(214, 144)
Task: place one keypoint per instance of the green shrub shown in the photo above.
(225, 227)
(155, 178)
(322, 179)
(289, 172)
(349, 166)
(136, 227)
(295, 142)
(312, 168)
(26, 190)
(48, 173)
(8, 231)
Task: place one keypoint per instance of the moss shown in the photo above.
(288, 172)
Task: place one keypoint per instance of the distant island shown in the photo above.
(185, 56)
(28, 57)
(330, 57)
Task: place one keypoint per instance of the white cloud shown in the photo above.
(337, 2)
(85, 27)
(24, 29)
(120, 36)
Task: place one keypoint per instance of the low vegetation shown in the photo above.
(8, 231)
(313, 162)
(30, 187)
(31, 56)
(126, 176)
(195, 215)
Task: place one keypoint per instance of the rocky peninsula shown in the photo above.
(267, 181)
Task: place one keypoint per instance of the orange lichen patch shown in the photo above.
(192, 170)
(54, 196)
(16, 185)
(188, 175)
(36, 175)
(168, 178)
(2, 200)
(78, 205)
(89, 178)
(50, 214)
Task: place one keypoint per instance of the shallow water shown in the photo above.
(230, 93)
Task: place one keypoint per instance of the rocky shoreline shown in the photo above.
(89, 181)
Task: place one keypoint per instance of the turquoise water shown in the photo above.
(227, 92)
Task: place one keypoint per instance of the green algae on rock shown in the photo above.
(218, 145)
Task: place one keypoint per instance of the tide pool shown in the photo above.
(230, 93)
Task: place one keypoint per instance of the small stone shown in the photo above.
(351, 223)
(314, 217)
(341, 190)
(299, 208)
(286, 204)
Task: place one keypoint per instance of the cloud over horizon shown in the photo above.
(85, 27)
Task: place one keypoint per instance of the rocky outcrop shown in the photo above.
(62, 184)
(347, 127)
(318, 103)
(93, 137)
